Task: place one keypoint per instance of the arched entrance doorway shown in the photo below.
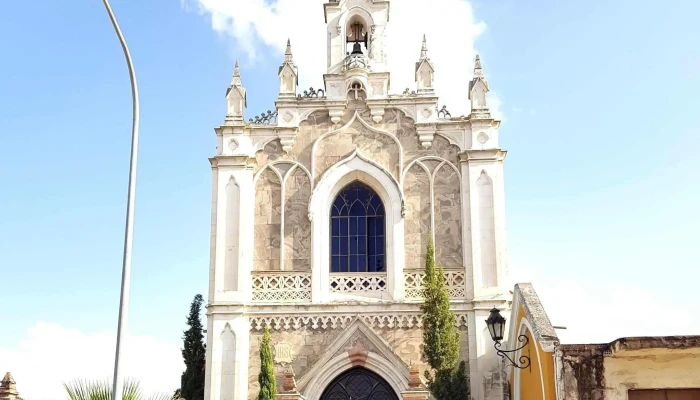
(359, 384)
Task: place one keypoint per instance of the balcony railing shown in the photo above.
(414, 283)
(282, 286)
(295, 286)
(357, 282)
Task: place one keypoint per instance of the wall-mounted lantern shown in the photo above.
(497, 325)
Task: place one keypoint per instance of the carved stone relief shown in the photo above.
(271, 152)
(396, 121)
(448, 218)
(232, 144)
(417, 221)
(381, 148)
(268, 201)
(310, 129)
(297, 227)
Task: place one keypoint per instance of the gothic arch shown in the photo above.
(359, 383)
(295, 164)
(356, 12)
(525, 328)
(430, 173)
(292, 227)
(228, 363)
(356, 168)
(338, 359)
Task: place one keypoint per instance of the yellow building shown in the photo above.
(637, 368)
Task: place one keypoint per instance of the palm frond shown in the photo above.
(82, 389)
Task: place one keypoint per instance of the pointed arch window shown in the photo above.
(357, 230)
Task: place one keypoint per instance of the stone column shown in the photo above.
(233, 230)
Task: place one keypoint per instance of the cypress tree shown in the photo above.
(192, 381)
(440, 336)
(266, 377)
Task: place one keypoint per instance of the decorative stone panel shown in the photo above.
(341, 321)
(281, 287)
(417, 218)
(268, 203)
(378, 147)
(448, 218)
(297, 227)
(358, 283)
(414, 282)
(397, 121)
(310, 129)
(271, 152)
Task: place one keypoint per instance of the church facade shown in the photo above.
(321, 214)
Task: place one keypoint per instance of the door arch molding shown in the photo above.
(359, 383)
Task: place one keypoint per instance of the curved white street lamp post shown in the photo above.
(128, 234)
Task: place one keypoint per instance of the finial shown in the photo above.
(8, 389)
(424, 49)
(236, 79)
(414, 381)
(477, 66)
(290, 384)
(288, 51)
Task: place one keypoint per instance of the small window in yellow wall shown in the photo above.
(664, 394)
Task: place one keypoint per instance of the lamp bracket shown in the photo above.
(523, 360)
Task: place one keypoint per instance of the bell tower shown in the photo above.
(356, 27)
(357, 69)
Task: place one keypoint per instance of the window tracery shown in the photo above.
(357, 230)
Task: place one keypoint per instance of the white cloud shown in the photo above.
(51, 354)
(261, 28)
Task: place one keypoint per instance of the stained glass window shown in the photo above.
(357, 230)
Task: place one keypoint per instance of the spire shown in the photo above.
(424, 71)
(236, 79)
(288, 52)
(478, 88)
(288, 74)
(235, 97)
(424, 49)
(477, 67)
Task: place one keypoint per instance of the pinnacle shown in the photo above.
(424, 49)
(477, 66)
(288, 51)
(236, 79)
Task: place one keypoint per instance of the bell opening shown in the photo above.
(357, 34)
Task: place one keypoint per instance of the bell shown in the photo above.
(356, 48)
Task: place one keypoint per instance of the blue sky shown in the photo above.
(600, 104)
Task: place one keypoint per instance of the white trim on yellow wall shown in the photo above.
(523, 326)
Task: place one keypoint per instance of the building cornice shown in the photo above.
(241, 161)
(476, 156)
